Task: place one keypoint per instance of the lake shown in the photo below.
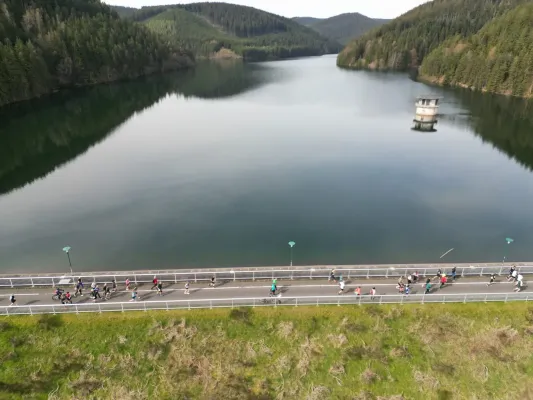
(224, 165)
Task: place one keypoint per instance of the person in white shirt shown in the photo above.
(341, 286)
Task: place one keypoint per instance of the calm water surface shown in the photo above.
(224, 165)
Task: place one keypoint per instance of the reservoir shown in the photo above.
(224, 165)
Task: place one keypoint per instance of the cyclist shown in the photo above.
(58, 293)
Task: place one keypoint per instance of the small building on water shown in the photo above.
(426, 113)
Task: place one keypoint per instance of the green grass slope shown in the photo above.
(345, 27)
(405, 41)
(255, 35)
(455, 351)
(497, 59)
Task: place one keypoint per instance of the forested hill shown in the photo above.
(344, 27)
(497, 59)
(46, 45)
(255, 35)
(405, 41)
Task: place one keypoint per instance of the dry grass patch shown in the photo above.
(368, 376)
(425, 381)
(285, 329)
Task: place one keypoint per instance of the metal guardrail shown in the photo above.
(378, 271)
(262, 301)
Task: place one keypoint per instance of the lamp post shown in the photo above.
(67, 250)
(509, 241)
(291, 243)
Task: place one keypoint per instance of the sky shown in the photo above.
(305, 8)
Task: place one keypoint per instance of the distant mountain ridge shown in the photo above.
(225, 30)
(342, 28)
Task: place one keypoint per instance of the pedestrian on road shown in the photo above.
(409, 279)
(273, 289)
(443, 281)
(415, 277)
(107, 291)
(511, 270)
(67, 298)
(513, 276)
(96, 293)
(332, 276)
(357, 291)
(134, 294)
(212, 283)
(519, 286)
(275, 284)
(93, 285)
(437, 276)
(341, 287)
(128, 283)
(12, 300)
(400, 281)
(114, 285)
(160, 288)
(492, 279)
(187, 288)
(454, 273)
(79, 288)
(519, 278)
(154, 281)
(407, 290)
(428, 287)
(372, 293)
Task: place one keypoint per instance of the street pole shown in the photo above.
(509, 241)
(67, 250)
(291, 243)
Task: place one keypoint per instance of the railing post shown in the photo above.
(211, 304)
(144, 304)
(499, 273)
(423, 298)
(11, 282)
(349, 272)
(462, 272)
(401, 302)
(231, 304)
(486, 298)
(387, 273)
(317, 301)
(166, 302)
(53, 284)
(425, 270)
(311, 273)
(7, 310)
(296, 305)
(338, 301)
(292, 275)
(189, 304)
(380, 299)
(175, 279)
(32, 284)
(506, 296)
(31, 312)
(464, 300)
(122, 306)
(481, 273)
(368, 273)
(360, 297)
(195, 281)
(135, 278)
(76, 307)
(53, 309)
(443, 299)
(99, 308)
(254, 303)
(253, 276)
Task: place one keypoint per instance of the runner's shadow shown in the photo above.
(29, 303)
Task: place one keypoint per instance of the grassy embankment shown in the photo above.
(457, 351)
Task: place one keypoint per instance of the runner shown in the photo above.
(67, 298)
(357, 291)
(160, 288)
(134, 294)
(443, 281)
(186, 288)
(400, 281)
(428, 287)
(511, 270)
(107, 292)
(96, 293)
(372, 293)
(332, 276)
(128, 283)
(438, 275)
(79, 288)
(454, 273)
(341, 287)
(114, 285)
(154, 281)
(415, 277)
(273, 289)
(513, 275)
(275, 284)
(12, 300)
(492, 279)
(407, 290)
(519, 286)
(409, 279)
(212, 283)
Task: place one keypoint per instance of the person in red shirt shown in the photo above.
(443, 281)
(154, 281)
